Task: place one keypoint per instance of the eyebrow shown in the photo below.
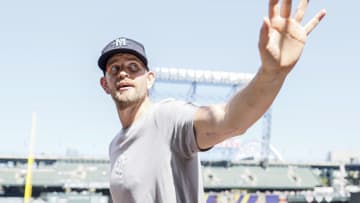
(131, 58)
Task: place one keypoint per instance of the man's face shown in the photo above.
(126, 80)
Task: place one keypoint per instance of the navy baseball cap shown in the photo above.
(122, 45)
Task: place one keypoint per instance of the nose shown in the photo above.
(123, 74)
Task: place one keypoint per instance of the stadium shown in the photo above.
(86, 180)
(233, 171)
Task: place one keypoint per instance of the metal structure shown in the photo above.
(265, 142)
(202, 76)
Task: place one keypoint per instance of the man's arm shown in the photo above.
(281, 43)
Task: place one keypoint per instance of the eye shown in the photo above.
(133, 67)
(114, 69)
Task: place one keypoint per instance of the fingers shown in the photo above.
(314, 21)
(285, 12)
(300, 11)
(273, 8)
(286, 8)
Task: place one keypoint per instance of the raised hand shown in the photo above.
(282, 37)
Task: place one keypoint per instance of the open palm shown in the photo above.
(282, 37)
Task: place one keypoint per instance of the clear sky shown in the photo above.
(49, 50)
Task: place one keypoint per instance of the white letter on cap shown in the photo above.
(120, 42)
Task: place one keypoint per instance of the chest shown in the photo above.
(139, 164)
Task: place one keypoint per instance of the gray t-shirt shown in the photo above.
(156, 159)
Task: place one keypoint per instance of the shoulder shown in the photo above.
(171, 105)
(173, 111)
(174, 102)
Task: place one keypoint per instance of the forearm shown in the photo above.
(249, 104)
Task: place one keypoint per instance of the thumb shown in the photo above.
(264, 33)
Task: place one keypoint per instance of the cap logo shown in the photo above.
(120, 42)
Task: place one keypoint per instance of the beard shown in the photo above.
(128, 98)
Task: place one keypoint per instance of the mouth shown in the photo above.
(123, 86)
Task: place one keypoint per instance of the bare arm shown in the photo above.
(282, 39)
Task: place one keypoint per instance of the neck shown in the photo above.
(132, 113)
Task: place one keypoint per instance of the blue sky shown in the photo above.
(49, 51)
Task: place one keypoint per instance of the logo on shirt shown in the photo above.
(119, 166)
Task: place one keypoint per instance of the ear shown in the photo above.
(104, 85)
(150, 79)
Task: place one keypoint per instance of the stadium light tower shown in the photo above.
(207, 77)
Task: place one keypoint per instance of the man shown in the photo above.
(154, 156)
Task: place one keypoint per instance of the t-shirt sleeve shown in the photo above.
(179, 117)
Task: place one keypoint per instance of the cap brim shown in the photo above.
(105, 57)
